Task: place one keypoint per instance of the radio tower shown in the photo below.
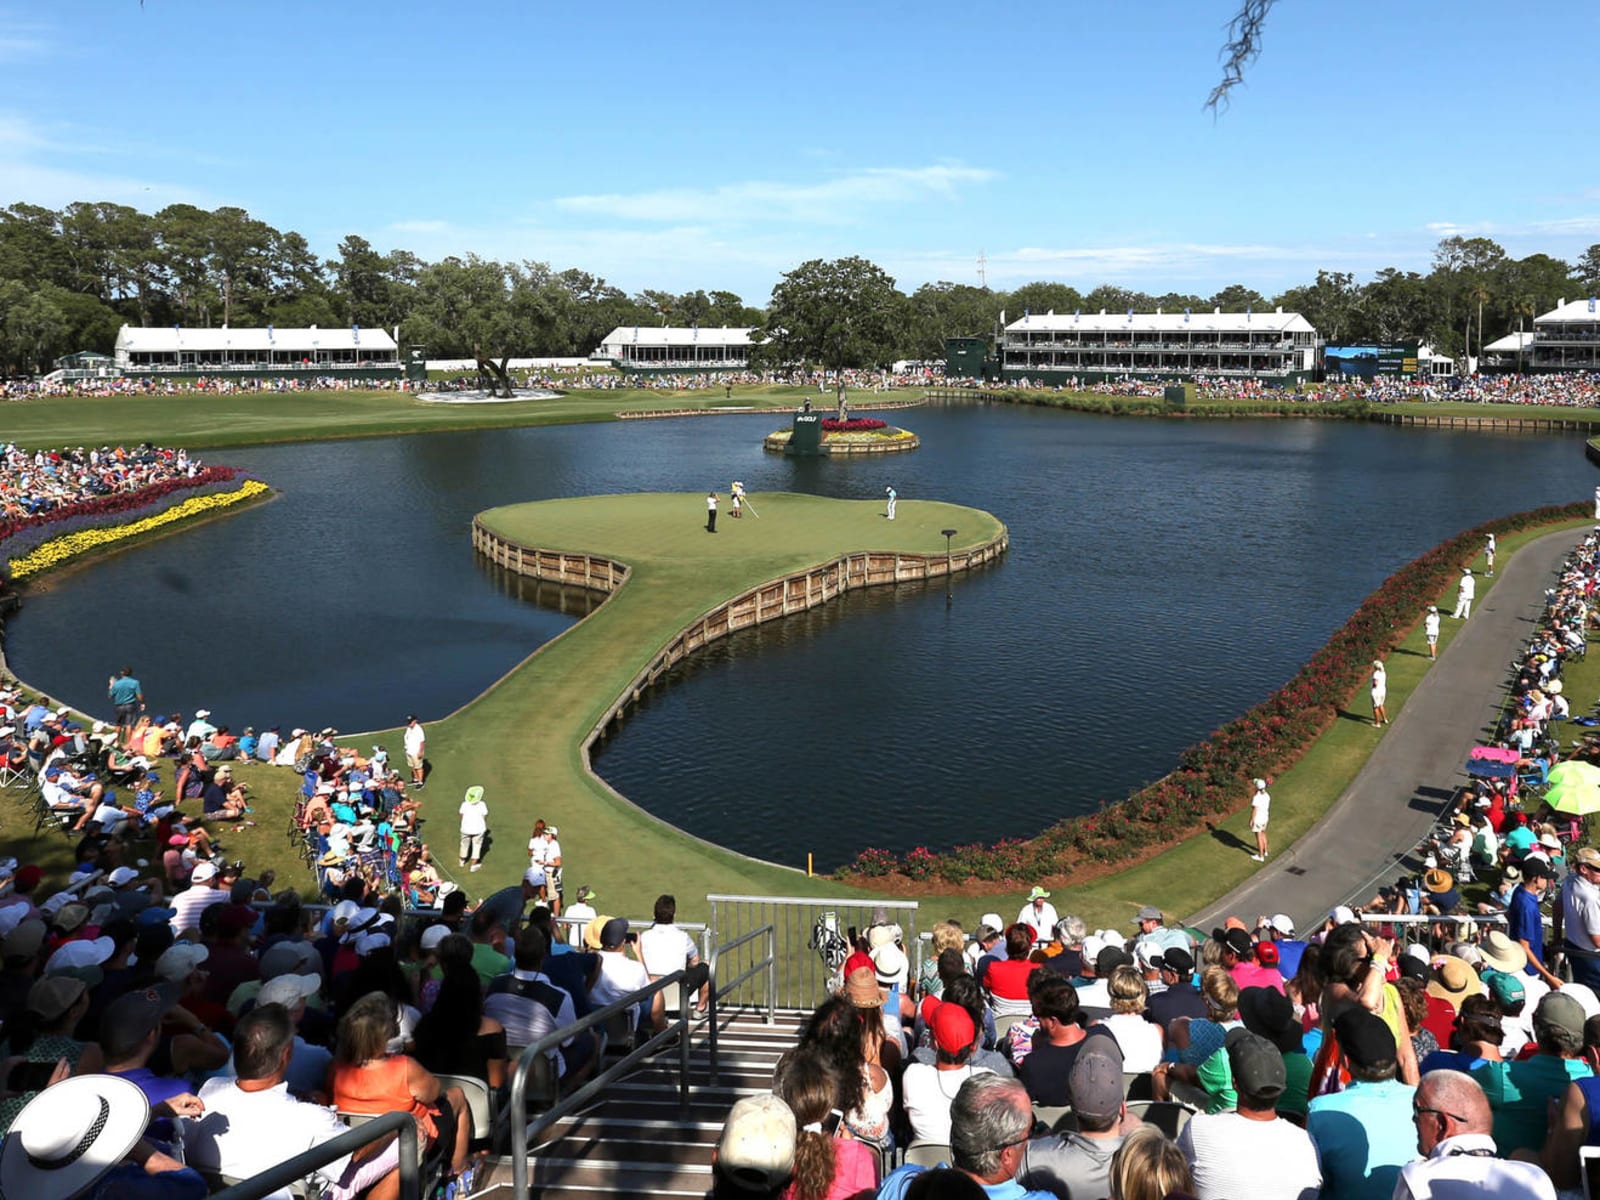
(983, 274)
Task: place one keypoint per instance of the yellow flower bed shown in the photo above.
(58, 550)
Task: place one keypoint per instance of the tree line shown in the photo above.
(70, 277)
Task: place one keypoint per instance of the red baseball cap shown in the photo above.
(953, 1030)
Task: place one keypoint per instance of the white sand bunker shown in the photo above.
(481, 397)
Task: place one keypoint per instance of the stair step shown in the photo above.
(551, 1179)
(668, 1089)
(663, 1108)
(633, 1151)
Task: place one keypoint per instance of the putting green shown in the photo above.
(523, 739)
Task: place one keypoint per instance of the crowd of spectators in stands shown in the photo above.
(248, 1012)
(1568, 389)
(221, 385)
(1250, 1062)
(1564, 389)
(855, 380)
(36, 482)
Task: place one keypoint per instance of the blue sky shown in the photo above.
(719, 145)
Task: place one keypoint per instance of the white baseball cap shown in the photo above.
(368, 942)
(179, 960)
(84, 952)
(288, 990)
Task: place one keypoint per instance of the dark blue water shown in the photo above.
(1163, 577)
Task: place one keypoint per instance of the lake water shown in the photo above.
(1163, 576)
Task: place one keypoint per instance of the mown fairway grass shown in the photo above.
(246, 418)
(521, 738)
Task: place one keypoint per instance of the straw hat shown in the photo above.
(1453, 980)
(862, 990)
(1501, 953)
(71, 1134)
(1438, 880)
(591, 931)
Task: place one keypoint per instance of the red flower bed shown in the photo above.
(117, 502)
(853, 425)
(1212, 778)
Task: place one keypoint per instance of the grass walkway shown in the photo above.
(538, 715)
(1190, 876)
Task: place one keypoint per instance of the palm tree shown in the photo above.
(1522, 306)
(1480, 294)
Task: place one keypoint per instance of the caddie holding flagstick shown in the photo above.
(740, 500)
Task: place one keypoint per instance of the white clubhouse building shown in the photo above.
(1055, 348)
(674, 348)
(175, 350)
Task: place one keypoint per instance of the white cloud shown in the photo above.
(35, 168)
(839, 199)
(420, 226)
(1555, 227)
(1161, 264)
(21, 39)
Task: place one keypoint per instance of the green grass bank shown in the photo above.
(205, 419)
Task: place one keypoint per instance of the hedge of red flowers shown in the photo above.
(853, 425)
(1212, 777)
(117, 502)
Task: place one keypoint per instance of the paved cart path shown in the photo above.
(1392, 803)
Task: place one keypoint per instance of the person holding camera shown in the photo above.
(621, 971)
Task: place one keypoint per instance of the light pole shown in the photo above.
(948, 534)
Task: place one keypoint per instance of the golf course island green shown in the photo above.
(674, 586)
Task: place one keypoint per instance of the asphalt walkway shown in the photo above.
(1392, 803)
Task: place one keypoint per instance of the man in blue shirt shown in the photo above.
(1364, 1134)
(127, 696)
(1523, 921)
(990, 1120)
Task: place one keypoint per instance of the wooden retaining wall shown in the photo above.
(1526, 424)
(769, 601)
(1377, 414)
(576, 570)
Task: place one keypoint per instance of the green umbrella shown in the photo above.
(1574, 798)
(1574, 771)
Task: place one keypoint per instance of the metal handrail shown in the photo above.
(301, 1165)
(715, 992)
(569, 923)
(524, 1131)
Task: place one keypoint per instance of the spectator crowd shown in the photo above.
(207, 1030)
(1038, 1059)
(34, 483)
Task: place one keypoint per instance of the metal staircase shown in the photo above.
(636, 1139)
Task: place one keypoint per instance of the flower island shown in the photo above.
(854, 435)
